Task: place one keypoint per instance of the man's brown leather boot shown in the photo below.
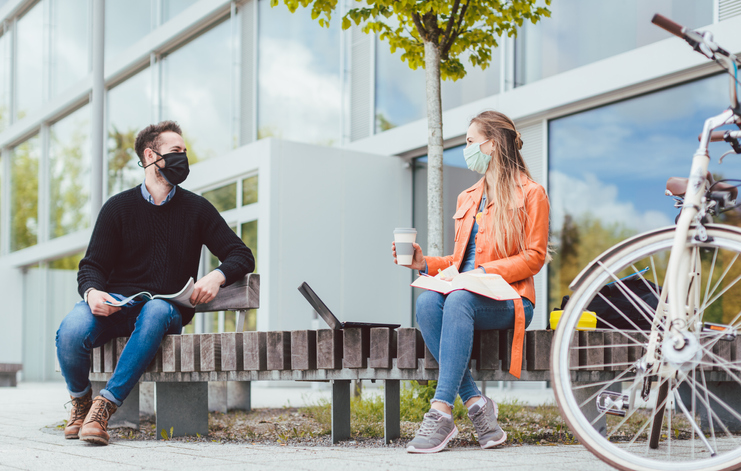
(80, 408)
(95, 427)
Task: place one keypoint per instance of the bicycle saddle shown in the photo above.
(677, 186)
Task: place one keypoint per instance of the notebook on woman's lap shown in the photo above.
(330, 318)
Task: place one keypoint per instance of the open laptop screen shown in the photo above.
(320, 307)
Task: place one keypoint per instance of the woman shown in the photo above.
(501, 226)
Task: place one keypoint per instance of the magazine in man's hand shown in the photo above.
(181, 298)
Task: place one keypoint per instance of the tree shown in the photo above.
(434, 34)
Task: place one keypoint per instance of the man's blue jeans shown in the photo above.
(447, 324)
(146, 322)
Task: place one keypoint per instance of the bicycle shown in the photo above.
(678, 409)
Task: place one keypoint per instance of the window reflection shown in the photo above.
(4, 81)
(299, 93)
(400, 91)
(24, 190)
(609, 166)
(29, 60)
(69, 174)
(580, 32)
(195, 89)
(224, 198)
(69, 44)
(125, 23)
(129, 106)
(249, 190)
(171, 8)
(249, 237)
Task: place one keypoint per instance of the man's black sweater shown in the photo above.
(137, 246)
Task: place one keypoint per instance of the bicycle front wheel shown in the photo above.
(638, 411)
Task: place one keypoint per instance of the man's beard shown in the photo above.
(160, 179)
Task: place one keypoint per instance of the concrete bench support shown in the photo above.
(340, 410)
(128, 414)
(589, 409)
(391, 410)
(182, 407)
(8, 374)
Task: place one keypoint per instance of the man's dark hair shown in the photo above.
(149, 137)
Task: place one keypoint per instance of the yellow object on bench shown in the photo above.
(588, 320)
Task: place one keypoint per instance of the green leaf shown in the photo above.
(171, 430)
(163, 434)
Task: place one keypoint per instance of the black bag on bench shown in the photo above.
(605, 308)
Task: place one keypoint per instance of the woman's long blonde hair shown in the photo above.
(507, 167)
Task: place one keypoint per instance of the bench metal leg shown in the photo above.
(128, 414)
(182, 407)
(340, 410)
(239, 395)
(391, 410)
(590, 408)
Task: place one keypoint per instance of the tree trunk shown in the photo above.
(434, 151)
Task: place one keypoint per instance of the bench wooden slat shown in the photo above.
(303, 350)
(254, 348)
(109, 357)
(615, 354)
(98, 360)
(355, 347)
(279, 350)
(210, 352)
(538, 350)
(430, 362)
(383, 343)
(171, 353)
(329, 349)
(592, 356)
(242, 294)
(408, 347)
(190, 353)
(232, 357)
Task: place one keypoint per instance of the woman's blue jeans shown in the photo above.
(447, 324)
(146, 323)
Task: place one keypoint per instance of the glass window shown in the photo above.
(580, 32)
(400, 91)
(249, 190)
(249, 237)
(129, 111)
(29, 61)
(196, 93)
(125, 23)
(299, 92)
(69, 174)
(475, 85)
(4, 81)
(171, 8)
(69, 54)
(224, 198)
(24, 191)
(609, 166)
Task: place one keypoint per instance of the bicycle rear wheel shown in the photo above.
(696, 424)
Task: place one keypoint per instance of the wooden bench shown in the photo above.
(8, 374)
(184, 364)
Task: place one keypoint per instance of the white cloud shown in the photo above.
(589, 195)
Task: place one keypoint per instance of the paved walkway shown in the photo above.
(30, 440)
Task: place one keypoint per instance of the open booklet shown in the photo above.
(489, 285)
(181, 298)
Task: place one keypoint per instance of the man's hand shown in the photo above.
(96, 300)
(206, 288)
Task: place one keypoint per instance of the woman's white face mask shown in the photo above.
(475, 159)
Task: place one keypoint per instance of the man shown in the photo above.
(148, 238)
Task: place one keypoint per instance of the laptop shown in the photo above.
(330, 318)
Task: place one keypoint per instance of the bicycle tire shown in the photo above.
(723, 240)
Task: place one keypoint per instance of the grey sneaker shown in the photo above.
(434, 433)
(485, 420)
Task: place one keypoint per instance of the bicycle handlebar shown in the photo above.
(663, 22)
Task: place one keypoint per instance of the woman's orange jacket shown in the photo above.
(518, 268)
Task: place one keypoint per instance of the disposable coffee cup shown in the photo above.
(404, 238)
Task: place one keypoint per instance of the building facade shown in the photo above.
(311, 141)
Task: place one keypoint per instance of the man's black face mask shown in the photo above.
(176, 167)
